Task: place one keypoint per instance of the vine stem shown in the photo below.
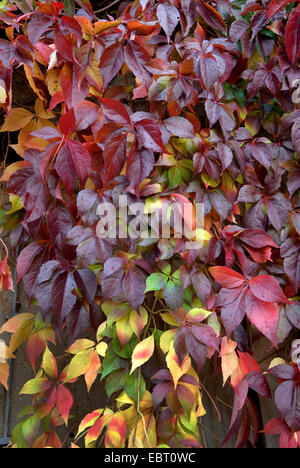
(137, 408)
(101, 10)
(212, 400)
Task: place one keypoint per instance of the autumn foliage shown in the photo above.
(181, 100)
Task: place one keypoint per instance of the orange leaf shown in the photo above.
(18, 118)
(4, 373)
(116, 431)
(12, 168)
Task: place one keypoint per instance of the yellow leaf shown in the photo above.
(18, 118)
(20, 335)
(142, 352)
(93, 73)
(16, 203)
(229, 359)
(177, 371)
(101, 348)
(200, 408)
(15, 322)
(198, 314)
(79, 365)
(100, 330)
(124, 399)
(144, 434)
(49, 364)
(146, 407)
(170, 320)
(276, 362)
(81, 345)
(3, 95)
(53, 81)
(138, 320)
(166, 339)
(3, 352)
(40, 110)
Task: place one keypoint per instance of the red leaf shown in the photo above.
(35, 347)
(86, 113)
(111, 62)
(211, 16)
(65, 168)
(63, 300)
(64, 402)
(64, 46)
(26, 258)
(276, 5)
(233, 312)
(136, 58)
(149, 135)
(248, 363)
(266, 288)
(37, 26)
(168, 17)
(275, 426)
(256, 238)
(114, 156)
(134, 284)
(81, 159)
(205, 334)
(186, 210)
(292, 36)
(226, 277)
(115, 111)
(139, 166)
(67, 122)
(263, 315)
(179, 126)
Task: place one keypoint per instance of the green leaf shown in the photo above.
(115, 382)
(174, 177)
(18, 437)
(127, 350)
(131, 386)
(69, 7)
(36, 385)
(155, 282)
(30, 429)
(112, 362)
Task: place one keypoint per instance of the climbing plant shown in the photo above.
(177, 103)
